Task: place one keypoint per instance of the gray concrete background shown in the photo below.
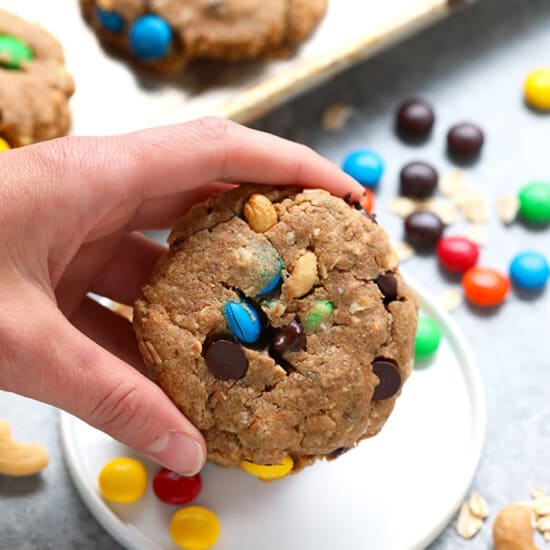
(471, 67)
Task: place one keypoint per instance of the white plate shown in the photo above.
(111, 97)
(396, 491)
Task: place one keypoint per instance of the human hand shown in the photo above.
(69, 214)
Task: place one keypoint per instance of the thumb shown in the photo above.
(53, 361)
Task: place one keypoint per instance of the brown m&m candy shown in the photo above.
(423, 228)
(465, 140)
(389, 378)
(415, 119)
(226, 360)
(291, 337)
(418, 180)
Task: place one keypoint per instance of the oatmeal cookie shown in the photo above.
(279, 324)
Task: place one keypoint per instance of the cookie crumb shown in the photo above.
(537, 491)
(541, 505)
(451, 183)
(336, 116)
(451, 300)
(507, 208)
(467, 525)
(543, 524)
(403, 250)
(402, 206)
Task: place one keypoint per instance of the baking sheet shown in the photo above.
(113, 97)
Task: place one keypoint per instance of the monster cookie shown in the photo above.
(279, 324)
(34, 85)
(165, 34)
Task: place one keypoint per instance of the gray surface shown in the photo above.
(471, 67)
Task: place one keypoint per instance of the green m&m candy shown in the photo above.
(13, 52)
(428, 336)
(534, 202)
(320, 313)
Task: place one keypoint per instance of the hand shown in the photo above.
(69, 214)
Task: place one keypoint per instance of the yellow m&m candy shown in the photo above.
(123, 480)
(537, 89)
(267, 472)
(4, 145)
(195, 528)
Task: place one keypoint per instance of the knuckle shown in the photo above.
(116, 410)
(213, 128)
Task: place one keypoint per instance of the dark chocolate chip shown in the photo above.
(226, 360)
(389, 378)
(465, 140)
(371, 217)
(291, 337)
(418, 180)
(347, 198)
(336, 453)
(415, 119)
(387, 284)
(357, 205)
(423, 228)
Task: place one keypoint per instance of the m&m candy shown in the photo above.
(4, 145)
(268, 472)
(364, 165)
(150, 38)
(110, 20)
(537, 89)
(428, 337)
(195, 528)
(457, 254)
(423, 228)
(534, 202)
(14, 52)
(174, 488)
(123, 479)
(367, 201)
(415, 119)
(243, 320)
(485, 287)
(529, 271)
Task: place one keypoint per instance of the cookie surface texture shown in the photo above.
(35, 86)
(290, 338)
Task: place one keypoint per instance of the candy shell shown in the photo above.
(243, 321)
(173, 488)
(110, 20)
(4, 145)
(321, 312)
(268, 472)
(150, 38)
(534, 202)
(485, 287)
(537, 89)
(457, 254)
(428, 337)
(195, 528)
(14, 52)
(529, 271)
(123, 480)
(364, 165)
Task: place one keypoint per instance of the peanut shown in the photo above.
(260, 213)
(513, 529)
(19, 459)
(303, 276)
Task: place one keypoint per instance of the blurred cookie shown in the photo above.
(165, 34)
(35, 86)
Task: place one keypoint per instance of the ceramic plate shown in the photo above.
(396, 491)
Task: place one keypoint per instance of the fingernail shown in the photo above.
(178, 452)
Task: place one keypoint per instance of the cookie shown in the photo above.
(279, 324)
(165, 34)
(35, 86)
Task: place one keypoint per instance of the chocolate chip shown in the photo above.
(415, 119)
(336, 453)
(357, 205)
(465, 140)
(347, 198)
(418, 180)
(387, 284)
(291, 337)
(389, 376)
(423, 228)
(371, 217)
(226, 360)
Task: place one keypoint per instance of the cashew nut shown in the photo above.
(513, 529)
(19, 459)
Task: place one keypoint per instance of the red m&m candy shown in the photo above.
(174, 488)
(457, 254)
(485, 287)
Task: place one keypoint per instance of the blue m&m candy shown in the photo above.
(243, 320)
(529, 271)
(364, 165)
(150, 37)
(110, 20)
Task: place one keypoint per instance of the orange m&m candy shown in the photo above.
(485, 287)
